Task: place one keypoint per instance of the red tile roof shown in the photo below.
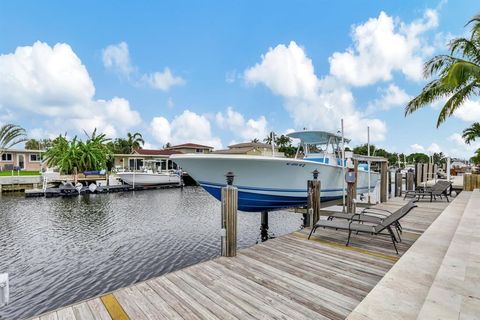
(156, 152)
(190, 145)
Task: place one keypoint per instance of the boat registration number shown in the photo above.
(293, 164)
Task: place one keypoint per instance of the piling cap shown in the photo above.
(229, 177)
(315, 174)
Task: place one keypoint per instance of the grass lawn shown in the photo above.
(19, 173)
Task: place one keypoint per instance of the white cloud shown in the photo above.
(241, 128)
(460, 148)
(417, 148)
(170, 103)
(434, 148)
(469, 111)
(390, 97)
(53, 82)
(286, 70)
(162, 80)
(184, 128)
(117, 58)
(313, 103)
(382, 46)
(231, 76)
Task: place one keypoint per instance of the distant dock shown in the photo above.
(291, 277)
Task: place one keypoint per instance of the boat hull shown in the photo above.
(149, 179)
(267, 183)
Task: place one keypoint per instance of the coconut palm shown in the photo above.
(10, 135)
(471, 133)
(135, 141)
(458, 75)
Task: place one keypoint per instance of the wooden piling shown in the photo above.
(351, 186)
(398, 184)
(355, 169)
(410, 181)
(383, 182)
(229, 219)
(313, 202)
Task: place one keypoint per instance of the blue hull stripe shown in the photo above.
(217, 185)
(255, 202)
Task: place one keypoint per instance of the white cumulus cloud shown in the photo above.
(117, 58)
(162, 80)
(382, 46)
(312, 102)
(186, 127)
(469, 111)
(417, 148)
(390, 97)
(53, 82)
(240, 127)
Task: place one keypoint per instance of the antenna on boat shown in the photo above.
(368, 162)
(343, 167)
(273, 143)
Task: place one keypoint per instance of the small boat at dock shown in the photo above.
(267, 183)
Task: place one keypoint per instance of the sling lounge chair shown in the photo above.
(439, 189)
(355, 225)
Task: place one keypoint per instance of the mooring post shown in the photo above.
(383, 182)
(398, 184)
(229, 218)
(4, 289)
(351, 186)
(410, 181)
(264, 226)
(313, 203)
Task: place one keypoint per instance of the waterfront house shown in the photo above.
(138, 158)
(21, 159)
(191, 148)
(251, 148)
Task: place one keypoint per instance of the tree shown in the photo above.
(135, 141)
(11, 135)
(471, 133)
(458, 75)
(92, 154)
(255, 140)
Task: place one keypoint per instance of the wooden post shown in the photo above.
(383, 182)
(351, 186)
(398, 184)
(425, 172)
(410, 181)
(418, 174)
(389, 173)
(313, 206)
(355, 169)
(229, 218)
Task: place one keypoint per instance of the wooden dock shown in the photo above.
(289, 277)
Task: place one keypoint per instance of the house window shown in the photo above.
(135, 164)
(6, 157)
(199, 151)
(35, 157)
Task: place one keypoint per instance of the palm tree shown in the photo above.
(471, 133)
(135, 141)
(458, 75)
(255, 140)
(10, 135)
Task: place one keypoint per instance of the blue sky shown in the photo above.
(223, 72)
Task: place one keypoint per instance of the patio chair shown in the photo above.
(439, 189)
(370, 215)
(355, 225)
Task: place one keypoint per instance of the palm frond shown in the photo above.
(455, 101)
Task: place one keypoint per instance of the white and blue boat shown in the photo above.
(270, 183)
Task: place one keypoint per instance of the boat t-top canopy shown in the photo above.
(317, 137)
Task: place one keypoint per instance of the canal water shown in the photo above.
(62, 250)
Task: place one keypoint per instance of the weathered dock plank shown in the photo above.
(285, 278)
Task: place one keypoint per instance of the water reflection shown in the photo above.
(58, 251)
